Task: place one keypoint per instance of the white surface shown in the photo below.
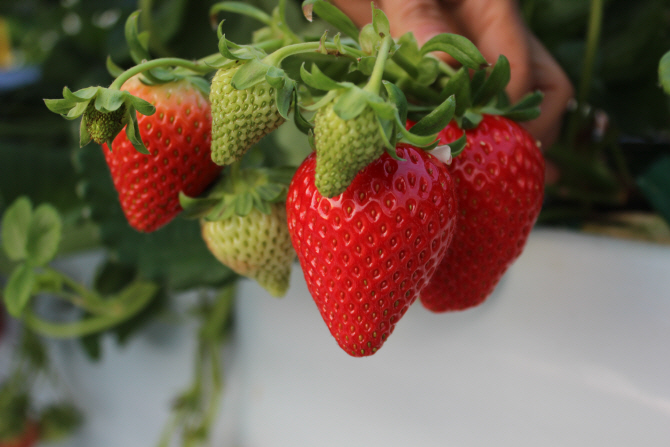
(573, 349)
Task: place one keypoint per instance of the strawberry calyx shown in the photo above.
(238, 192)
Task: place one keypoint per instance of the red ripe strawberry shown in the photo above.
(178, 136)
(499, 180)
(368, 252)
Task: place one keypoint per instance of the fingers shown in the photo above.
(551, 80)
(425, 18)
(359, 11)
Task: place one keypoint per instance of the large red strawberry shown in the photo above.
(499, 180)
(178, 136)
(367, 253)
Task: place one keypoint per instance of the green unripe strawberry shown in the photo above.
(257, 246)
(343, 148)
(103, 127)
(240, 118)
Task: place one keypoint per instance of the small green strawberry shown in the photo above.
(343, 147)
(257, 246)
(240, 118)
(243, 223)
(103, 127)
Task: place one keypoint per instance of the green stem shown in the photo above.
(195, 66)
(88, 325)
(88, 297)
(275, 58)
(375, 82)
(592, 39)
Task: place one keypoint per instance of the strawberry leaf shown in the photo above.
(15, 224)
(83, 95)
(77, 111)
(44, 234)
(140, 105)
(113, 69)
(459, 47)
(196, 207)
(19, 289)
(284, 97)
(133, 131)
(368, 39)
(84, 134)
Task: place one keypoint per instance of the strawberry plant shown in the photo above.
(210, 155)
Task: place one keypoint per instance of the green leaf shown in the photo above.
(664, 72)
(84, 135)
(133, 131)
(241, 8)
(19, 288)
(380, 22)
(332, 15)
(458, 145)
(44, 235)
(196, 207)
(15, 227)
(436, 120)
(249, 74)
(459, 47)
(82, 95)
(655, 185)
(495, 83)
(471, 119)
(365, 65)
(77, 111)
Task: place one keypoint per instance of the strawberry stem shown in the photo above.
(194, 66)
(278, 56)
(375, 82)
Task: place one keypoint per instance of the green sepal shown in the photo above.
(526, 109)
(397, 97)
(380, 22)
(318, 80)
(133, 131)
(436, 120)
(251, 73)
(470, 120)
(364, 64)
(458, 145)
(664, 72)
(496, 82)
(19, 289)
(330, 14)
(240, 8)
(138, 43)
(113, 69)
(325, 99)
(108, 100)
(84, 135)
(232, 51)
(459, 86)
(422, 69)
(368, 39)
(284, 97)
(459, 47)
(351, 103)
(196, 207)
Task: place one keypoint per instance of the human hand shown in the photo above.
(495, 27)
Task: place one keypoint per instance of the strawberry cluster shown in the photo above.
(421, 185)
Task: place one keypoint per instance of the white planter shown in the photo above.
(572, 349)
